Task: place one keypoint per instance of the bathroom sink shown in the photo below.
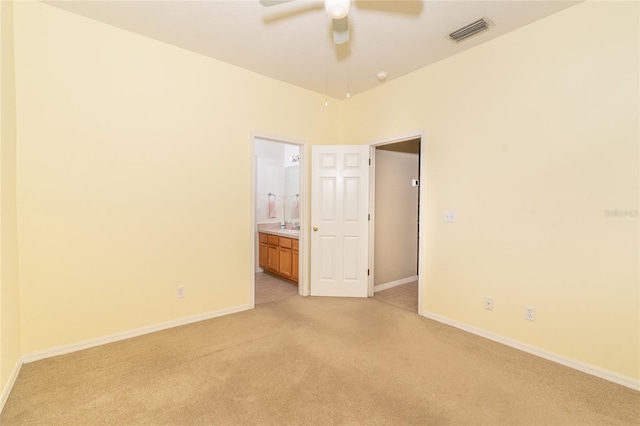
(288, 231)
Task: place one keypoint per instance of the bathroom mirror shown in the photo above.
(292, 193)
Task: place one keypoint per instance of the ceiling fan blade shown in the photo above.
(289, 12)
(269, 3)
(406, 7)
(341, 30)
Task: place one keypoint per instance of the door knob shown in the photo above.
(315, 228)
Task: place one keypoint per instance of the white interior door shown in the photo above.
(339, 220)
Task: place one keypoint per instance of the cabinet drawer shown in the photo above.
(263, 238)
(273, 239)
(285, 242)
(295, 244)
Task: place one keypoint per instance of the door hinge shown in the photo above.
(369, 216)
(369, 161)
(368, 272)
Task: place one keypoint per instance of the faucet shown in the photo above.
(295, 226)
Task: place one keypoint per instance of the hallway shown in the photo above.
(403, 296)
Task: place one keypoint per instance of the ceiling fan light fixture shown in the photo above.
(337, 9)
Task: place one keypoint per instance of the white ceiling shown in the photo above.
(292, 42)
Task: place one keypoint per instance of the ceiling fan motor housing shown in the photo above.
(337, 9)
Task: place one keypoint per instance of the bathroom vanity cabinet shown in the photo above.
(279, 255)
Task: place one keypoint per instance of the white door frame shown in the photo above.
(422, 194)
(303, 276)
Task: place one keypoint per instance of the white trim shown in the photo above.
(255, 248)
(395, 283)
(61, 350)
(593, 370)
(371, 291)
(422, 135)
(422, 219)
(304, 283)
(397, 139)
(303, 273)
(9, 386)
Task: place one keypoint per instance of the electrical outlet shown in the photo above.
(530, 313)
(488, 303)
(449, 216)
(180, 291)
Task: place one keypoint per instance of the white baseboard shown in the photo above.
(61, 350)
(387, 286)
(567, 362)
(6, 391)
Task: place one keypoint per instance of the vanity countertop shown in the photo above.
(290, 233)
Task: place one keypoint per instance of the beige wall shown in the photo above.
(134, 176)
(134, 169)
(396, 217)
(9, 295)
(530, 137)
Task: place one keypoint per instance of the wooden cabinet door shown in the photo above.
(262, 252)
(272, 253)
(272, 258)
(284, 265)
(284, 253)
(294, 264)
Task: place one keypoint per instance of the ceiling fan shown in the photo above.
(337, 10)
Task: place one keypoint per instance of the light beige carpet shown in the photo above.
(270, 288)
(404, 296)
(312, 361)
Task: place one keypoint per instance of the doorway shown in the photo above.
(278, 206)
(395, 200)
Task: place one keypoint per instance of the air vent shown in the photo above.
(471, 29)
